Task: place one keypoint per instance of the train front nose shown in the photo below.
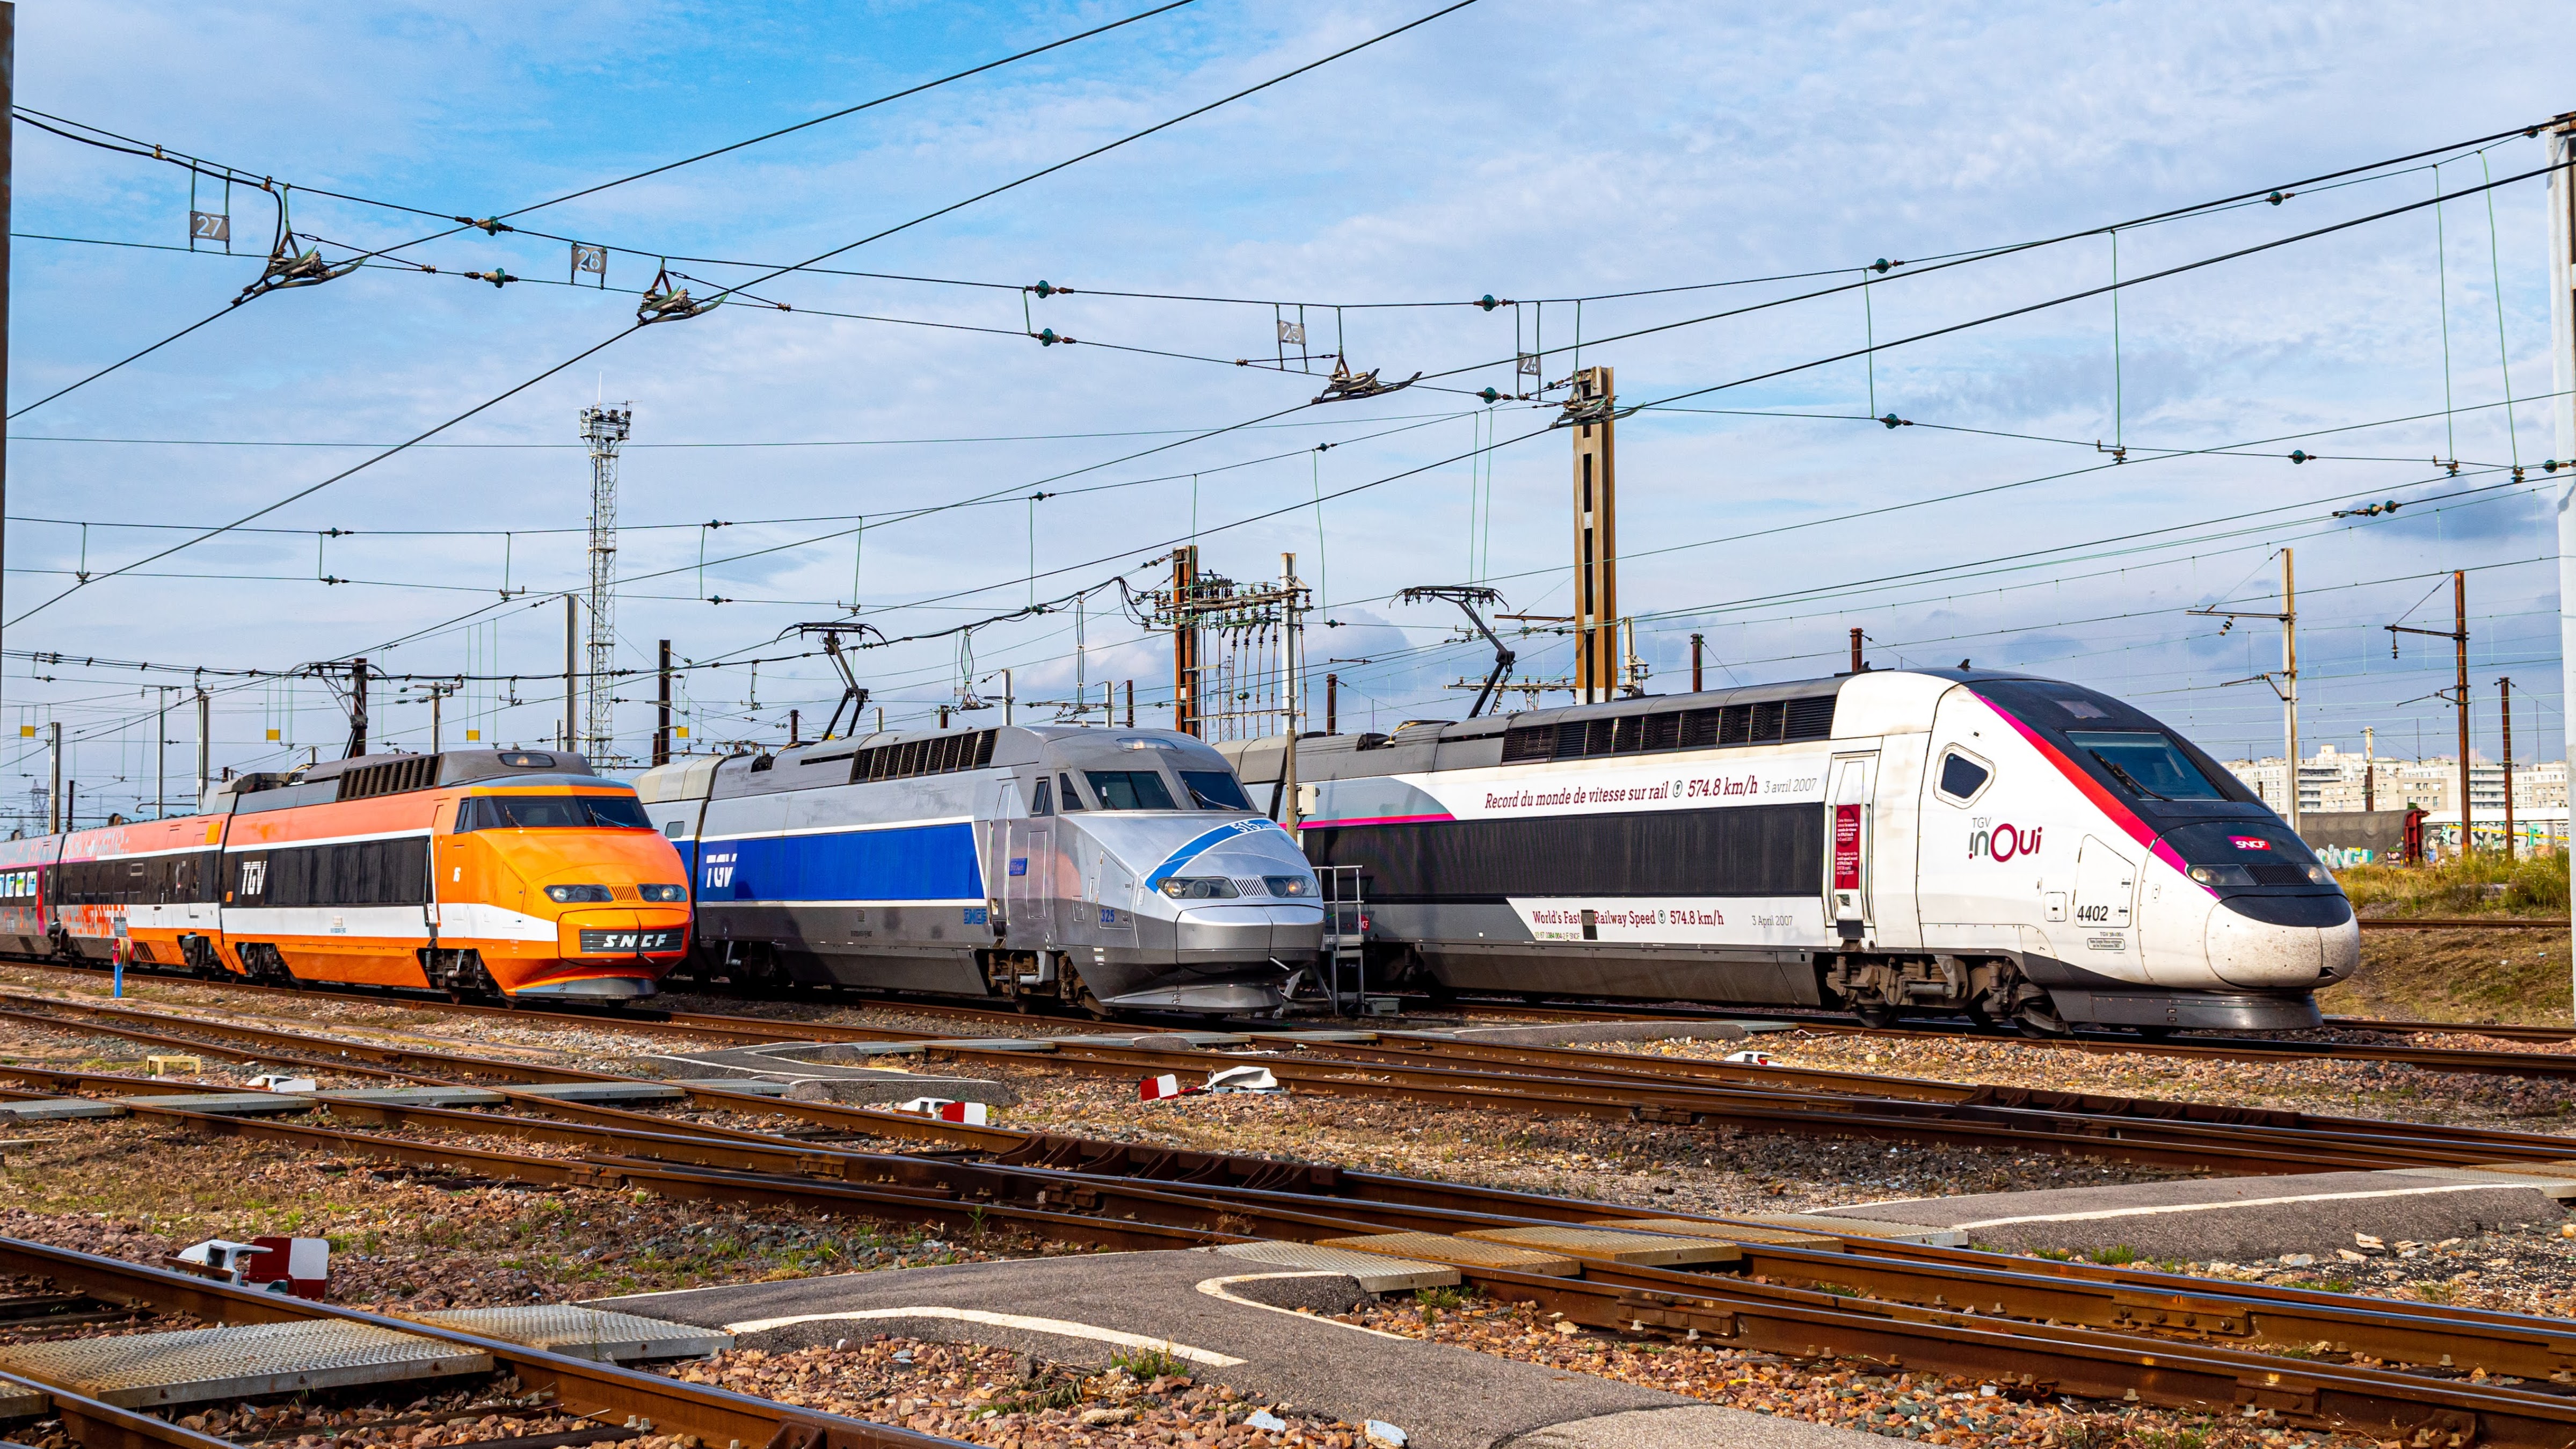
(2282, 943)
(1287, 931)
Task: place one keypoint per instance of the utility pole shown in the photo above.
(1129, 686)
(357, 708)
(662, 711)
(796, 725)
(1696, 647)
(205, 745)
(1289, 668)
(54, 789)
(2504, 703)
(2286, 683)
(2369, 771)
(1856, 665)
(571, 699)
(603, 428)
(2458, 634)
(1185, 640)
(161, 756)
(2561, 142)
(1596, 537)
(8, 100)
(1332, 704)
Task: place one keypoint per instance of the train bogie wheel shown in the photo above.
(1876, 1015)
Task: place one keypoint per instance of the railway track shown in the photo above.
(2050, 1327)
(1562, 1082)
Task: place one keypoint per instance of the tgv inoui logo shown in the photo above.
(2001, 842)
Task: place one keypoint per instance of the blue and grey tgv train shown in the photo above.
(1115, 870)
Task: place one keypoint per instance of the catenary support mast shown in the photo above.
(603, 429)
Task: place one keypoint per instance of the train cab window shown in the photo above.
(1130, 789)
(1071, 797)
(1216, 790)
(1042, 800)
(1962, 777)
(2146, 763)
(550, 812)
(677, 829)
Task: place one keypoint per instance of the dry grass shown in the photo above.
(2484, 885)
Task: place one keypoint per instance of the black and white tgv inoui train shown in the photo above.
(1116, 870)
(1889, 842)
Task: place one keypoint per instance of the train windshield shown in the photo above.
(551, 812)
(1130, 789)
(1216, 790)
(2147, 764)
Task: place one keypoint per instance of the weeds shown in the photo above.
(2529, 886)
(1432, 1298)
(2436, 1291)
(2054, 1255)
(2118, 1255)
(1150, 1363)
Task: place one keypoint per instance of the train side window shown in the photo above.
(1963, 776)
(1072, 798)
(1042, 801)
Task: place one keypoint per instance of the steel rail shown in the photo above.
(1129, 1215)
(579, 1386)
(2063, 1133)
(1397, 1205)
(96, 1425)
(1125, 1211)
(1244, 1207)
(2147, 1139)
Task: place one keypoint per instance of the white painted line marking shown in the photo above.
(2203, 1207)
(1216, 1288)
(1061, 1326)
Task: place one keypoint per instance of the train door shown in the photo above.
(446, 862)
(1848, 790)
(2106, 891)
(1028, 867)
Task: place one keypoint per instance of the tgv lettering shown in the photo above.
(2003, 842)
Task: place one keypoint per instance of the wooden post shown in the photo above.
(1855, 650)
(1696, 648)
(1332, 704)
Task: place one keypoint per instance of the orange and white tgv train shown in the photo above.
(510, 872)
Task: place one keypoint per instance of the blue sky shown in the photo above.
(1500, 150)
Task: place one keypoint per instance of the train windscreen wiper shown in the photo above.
(2125, 778)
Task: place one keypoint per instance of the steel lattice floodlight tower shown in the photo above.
(603, 428)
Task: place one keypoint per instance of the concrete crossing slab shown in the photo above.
(1078, 1309)
(2236, 1219)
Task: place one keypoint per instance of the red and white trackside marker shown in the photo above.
(1750, 1058)
(971, 1114)
(1155, 1089)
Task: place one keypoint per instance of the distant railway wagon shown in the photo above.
(1115, 870)
(516, 873)
(1889, 842)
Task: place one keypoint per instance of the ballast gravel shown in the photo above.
(999, 1396)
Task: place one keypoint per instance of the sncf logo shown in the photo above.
(2001, 842)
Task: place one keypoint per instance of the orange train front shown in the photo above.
(486, 871)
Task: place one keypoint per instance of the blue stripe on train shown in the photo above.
(909, 863)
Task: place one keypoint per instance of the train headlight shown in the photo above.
(566, 895)
(1207, 889)
(2223, 877)
(1289, 885)
(2320, 874)
(664, 892)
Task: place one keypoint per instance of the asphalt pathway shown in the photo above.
(1236, 1322)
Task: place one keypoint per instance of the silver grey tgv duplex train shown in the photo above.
(1116, 870)
(1889, 842)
